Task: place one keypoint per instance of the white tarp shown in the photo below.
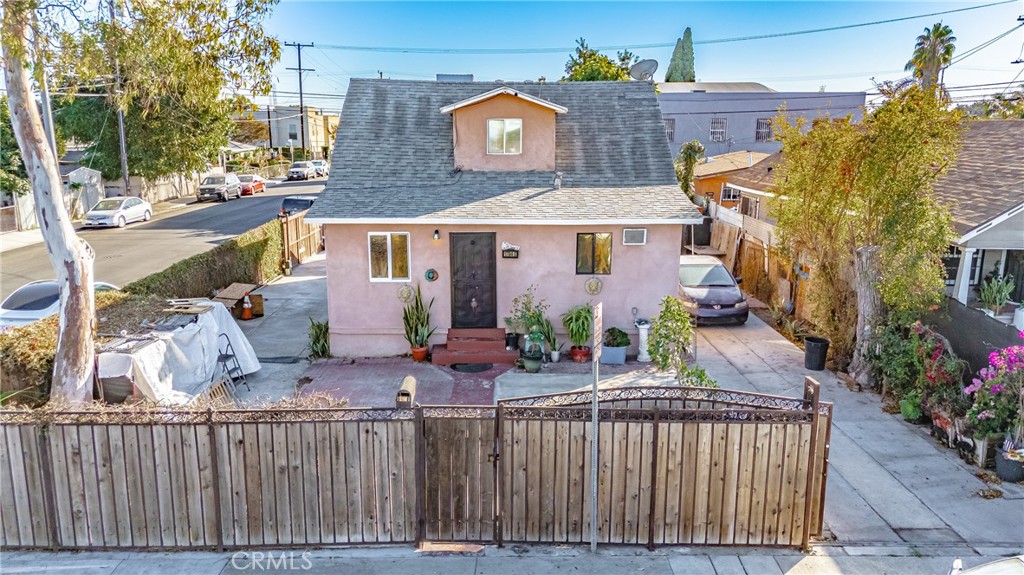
(181, 364)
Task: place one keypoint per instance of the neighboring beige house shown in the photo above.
(286, 124)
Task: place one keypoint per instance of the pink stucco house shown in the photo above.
(441, 183)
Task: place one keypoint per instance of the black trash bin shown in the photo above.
(815, 350)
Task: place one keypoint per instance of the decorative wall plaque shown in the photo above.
(405, 294)
(593, 286)
(431, 275)
(509, 251)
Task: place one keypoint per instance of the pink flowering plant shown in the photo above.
(997, 392)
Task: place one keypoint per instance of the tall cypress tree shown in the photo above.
(674, 72)
(686, 64)
(680, 69)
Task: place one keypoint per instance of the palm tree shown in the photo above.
(932, 54)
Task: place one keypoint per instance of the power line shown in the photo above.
(488, 51)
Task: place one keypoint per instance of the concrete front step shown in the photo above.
(441, 355)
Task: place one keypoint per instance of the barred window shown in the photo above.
(718, 129)
(670, 129)
(730, 194)
(763, 133)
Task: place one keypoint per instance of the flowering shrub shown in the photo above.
(918, 367)
(997, 392)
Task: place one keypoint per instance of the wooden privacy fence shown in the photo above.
(299, 239)
(676, 466)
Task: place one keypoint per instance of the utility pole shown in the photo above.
(270, 129)
(120, 117)
(302, 108)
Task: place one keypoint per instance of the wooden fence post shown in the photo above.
(499, 472)
(811, 395)
(421, 472)
(49, 490)
(215, 468)
(654, 481)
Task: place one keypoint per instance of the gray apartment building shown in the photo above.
(733, 116)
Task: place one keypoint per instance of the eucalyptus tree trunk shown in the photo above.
(869, 312)
(72, 258)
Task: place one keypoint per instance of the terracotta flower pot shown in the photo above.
(580, 354)
(419, 353)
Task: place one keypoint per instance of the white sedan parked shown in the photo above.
(34, 301)
(118, 211)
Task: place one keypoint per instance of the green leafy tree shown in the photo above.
(13, 178)
(186, 50)
(856, 202)
(689, 154)
(680, 68)
(589, 65)
(932, 54)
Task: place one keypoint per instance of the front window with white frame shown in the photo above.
(730, 194)
(505, 136)
(719, 127)
(389, 256)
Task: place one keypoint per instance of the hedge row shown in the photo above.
(253, 257)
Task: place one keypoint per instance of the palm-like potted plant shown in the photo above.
(548, 329)
(616, 342)
(579, 322)
(416, 318)
(995, 292)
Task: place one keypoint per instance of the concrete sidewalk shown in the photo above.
(511, 560)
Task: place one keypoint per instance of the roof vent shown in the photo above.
(557, 183)
(699, 91)
(454, 77)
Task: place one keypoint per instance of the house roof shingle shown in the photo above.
(394, 157)
(987, 177)
(760, 176)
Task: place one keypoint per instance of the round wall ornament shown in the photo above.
(431, 275)
(405, 294)
(593, 286)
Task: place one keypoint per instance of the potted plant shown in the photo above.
(533, 350)
(416, 318)
(512, 327)
(996, 401)
(526, 310)
(616, 342)
(579, 321)
(994, 293)
(548, 329)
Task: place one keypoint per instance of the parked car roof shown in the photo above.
(699, 260)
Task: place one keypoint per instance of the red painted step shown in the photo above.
(477, 333)
(467, 344)
(441, 355)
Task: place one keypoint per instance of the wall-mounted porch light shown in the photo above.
(437, 234)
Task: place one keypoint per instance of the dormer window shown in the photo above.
(505, 136)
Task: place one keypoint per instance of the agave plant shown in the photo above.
(416, 318)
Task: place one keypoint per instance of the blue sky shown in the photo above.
(839, 60)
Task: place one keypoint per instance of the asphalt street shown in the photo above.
(125, 255)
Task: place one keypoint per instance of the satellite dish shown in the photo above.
(644, 70)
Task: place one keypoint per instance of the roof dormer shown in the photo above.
(504, 129)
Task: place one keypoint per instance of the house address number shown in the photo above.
(509, 251)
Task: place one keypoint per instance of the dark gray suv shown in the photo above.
(221, 187)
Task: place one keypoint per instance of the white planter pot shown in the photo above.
(555, 356)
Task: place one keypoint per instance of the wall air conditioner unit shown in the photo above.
(634, 236)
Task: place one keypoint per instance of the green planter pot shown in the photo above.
(532, 362)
